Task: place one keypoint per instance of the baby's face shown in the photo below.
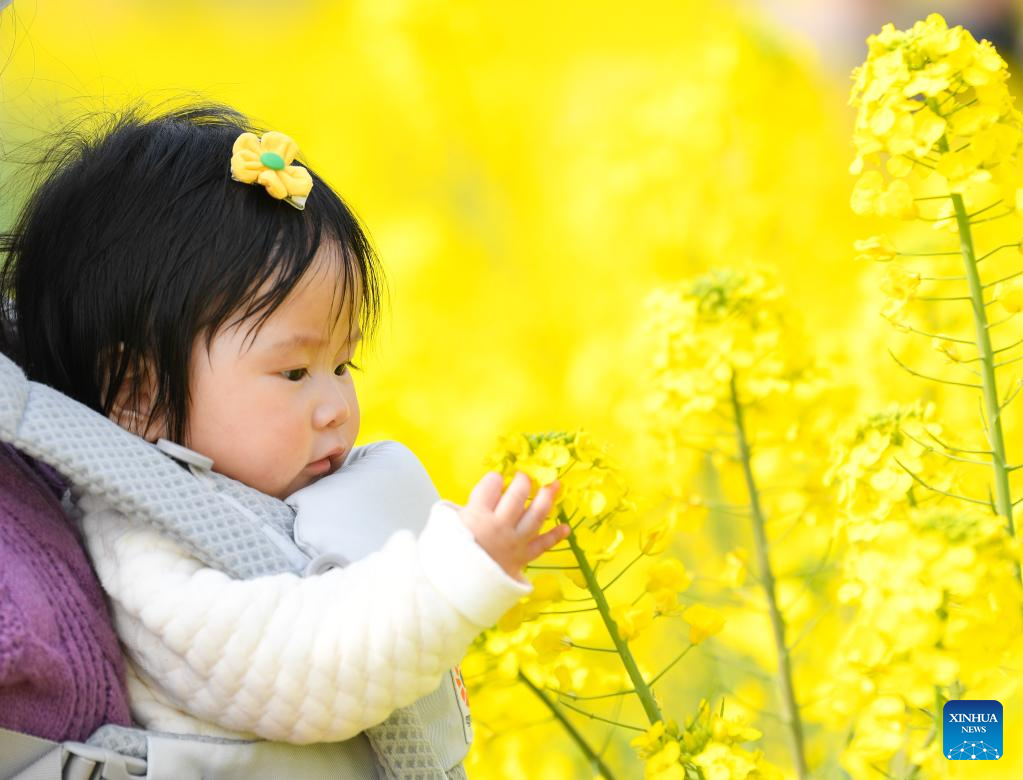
(278, 410)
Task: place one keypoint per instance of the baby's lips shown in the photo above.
(337, 459)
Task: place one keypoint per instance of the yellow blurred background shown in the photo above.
(528, 174)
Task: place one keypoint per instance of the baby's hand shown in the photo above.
(505, 527)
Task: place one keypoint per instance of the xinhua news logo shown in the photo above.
(973, 730)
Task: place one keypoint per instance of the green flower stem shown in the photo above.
(594, 649)
(989, 388)
(937, 722)
(577, 697)
(601, 718)
(674, 661)
(646, 697)
(936, 727)
(553, 568)
(790, 708)
(992, 408)
(580, 741)
(628, 566)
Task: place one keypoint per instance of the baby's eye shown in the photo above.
(342, 369)
(294, 374)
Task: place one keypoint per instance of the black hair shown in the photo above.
(139, 242)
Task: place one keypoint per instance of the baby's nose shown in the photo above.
(332, 411)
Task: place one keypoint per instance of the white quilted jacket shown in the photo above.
(286, 658)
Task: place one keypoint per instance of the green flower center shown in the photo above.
(272, 160)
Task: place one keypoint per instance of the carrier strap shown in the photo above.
(223, 523)
(95, 454)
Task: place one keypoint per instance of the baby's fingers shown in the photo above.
(514, 498)
(546, 541)
(538, 510)
(487, 492)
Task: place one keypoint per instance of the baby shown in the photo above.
(184, 277)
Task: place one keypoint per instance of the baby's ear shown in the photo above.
(134, 404)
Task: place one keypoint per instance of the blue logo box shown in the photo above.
(972, 730)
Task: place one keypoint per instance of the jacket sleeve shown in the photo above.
(294, 659)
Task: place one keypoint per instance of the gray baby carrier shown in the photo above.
(227, 526)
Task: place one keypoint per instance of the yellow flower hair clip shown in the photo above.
(267, 161)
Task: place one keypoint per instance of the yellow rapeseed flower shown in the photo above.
(649, 742)
(665, 764)
(900, 284)
(876, 248)
(727, 762)
(1010, 296)
(632, 620)
(728, 326)
(949, 349)
(655, 539)
(591, 486)
(550, 643)
(871, 461)
(546, 589)
(731, 730)
(668, 574)
(703, 622)
(916, 627)
(933, 112)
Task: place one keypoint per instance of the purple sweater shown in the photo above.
(61, 672)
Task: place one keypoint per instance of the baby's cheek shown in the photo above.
(281, 474)
(271, 475)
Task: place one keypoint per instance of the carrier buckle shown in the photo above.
(88, 762)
